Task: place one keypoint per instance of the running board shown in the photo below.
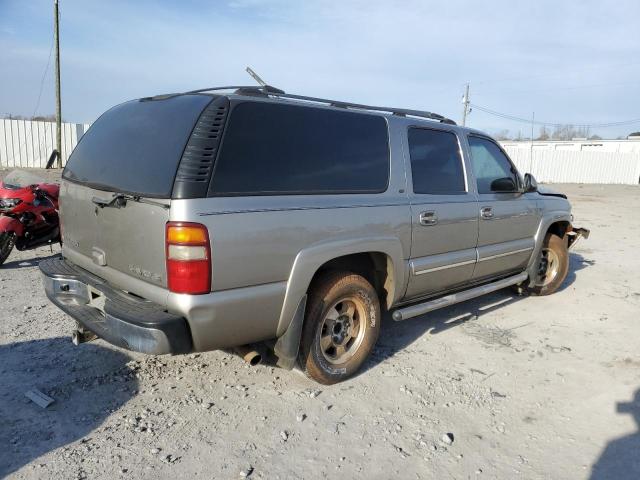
(426, 307)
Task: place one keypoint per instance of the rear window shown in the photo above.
(136, 147)
(284, 149)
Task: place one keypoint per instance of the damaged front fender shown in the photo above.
(575, 233)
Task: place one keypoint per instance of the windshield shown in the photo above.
(21, 179)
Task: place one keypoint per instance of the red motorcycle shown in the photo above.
(28, 212)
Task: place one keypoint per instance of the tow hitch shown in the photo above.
(575, 234)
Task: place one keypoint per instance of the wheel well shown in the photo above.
(376, 267)
(559, 228)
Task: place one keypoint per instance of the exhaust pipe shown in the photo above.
(249, 355)
(80, 335)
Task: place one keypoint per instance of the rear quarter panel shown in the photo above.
(254, 245)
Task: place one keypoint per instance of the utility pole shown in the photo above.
(533, 120)
(465, 102)
(56, 38)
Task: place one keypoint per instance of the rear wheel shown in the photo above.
(7, 241)
(341, 327)
(553, 265)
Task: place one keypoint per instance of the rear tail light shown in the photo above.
(188, 258)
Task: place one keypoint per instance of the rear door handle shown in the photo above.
(428, 218)
(486, 213)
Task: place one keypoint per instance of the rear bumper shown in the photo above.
(119, 318)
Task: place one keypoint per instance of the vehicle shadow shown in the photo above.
(87, 384)
(576, 263)
(395, 336)
(25, 263)
(620, 459)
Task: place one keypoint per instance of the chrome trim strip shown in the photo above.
(444, 267)
(287, 209)
(506, 254)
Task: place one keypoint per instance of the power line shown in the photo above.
(44, 75)
(553, 124)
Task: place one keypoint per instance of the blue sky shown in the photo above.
(570, 62)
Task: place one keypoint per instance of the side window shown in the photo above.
(489, 163)
(279, 149)
(436, 164)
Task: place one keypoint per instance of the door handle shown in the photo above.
(486, 213)
(428, 218)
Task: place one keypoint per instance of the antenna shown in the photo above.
(256, 77)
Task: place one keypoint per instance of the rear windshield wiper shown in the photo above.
(119, 200)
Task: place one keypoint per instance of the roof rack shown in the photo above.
(268, 90)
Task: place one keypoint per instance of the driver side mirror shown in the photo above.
(504, 185)
(530, 183)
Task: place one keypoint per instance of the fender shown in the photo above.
(10, 224)
(547, 220)
(307, 263)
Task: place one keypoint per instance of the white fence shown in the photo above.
(25, 143)
(578, 167)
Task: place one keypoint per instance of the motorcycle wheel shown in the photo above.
(7, 241)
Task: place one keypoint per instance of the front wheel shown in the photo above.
(341, 327)
(553, 265)
(7, 241)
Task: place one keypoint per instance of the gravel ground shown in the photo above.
(499, 387)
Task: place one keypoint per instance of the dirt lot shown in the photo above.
(527, 387)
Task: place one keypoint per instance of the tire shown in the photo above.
(341, 327)
(7, 241)
(553, 266)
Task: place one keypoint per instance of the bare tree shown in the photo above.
(568, 132)
(544, 135)
(44, 118)
(503, 135)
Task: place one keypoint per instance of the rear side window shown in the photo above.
(284, 149)
(436, 164)
(136, 147)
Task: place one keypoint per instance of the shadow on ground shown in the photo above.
(31, 262)
(621, 457)
(576, 263)
(87, 383)
(396, 336)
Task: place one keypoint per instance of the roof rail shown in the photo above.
(403, 112)
(268, 90)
